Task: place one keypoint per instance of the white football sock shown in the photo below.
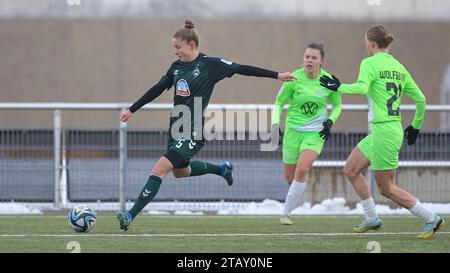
(420, 211)
(293, 196)
(369, 209)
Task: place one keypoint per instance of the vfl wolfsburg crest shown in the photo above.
(309, 108)
(183, 88)
(321, 93)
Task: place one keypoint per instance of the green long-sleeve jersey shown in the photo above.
(383, 80)
(308, 103)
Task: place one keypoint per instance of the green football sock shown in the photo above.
(147, 194)
(202, 167)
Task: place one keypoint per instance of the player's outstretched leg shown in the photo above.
(147, 194)
(201, 168)
(227, 172)
(430, 228)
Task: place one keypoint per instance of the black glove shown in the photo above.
(276, 130)
(325, 133)
(330, 83)
(411, 134)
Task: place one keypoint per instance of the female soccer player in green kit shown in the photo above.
(194, 76)
(307, 123)
(383, 79)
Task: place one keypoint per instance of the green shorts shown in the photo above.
(382, 146)
(187, 149)
(294, 142)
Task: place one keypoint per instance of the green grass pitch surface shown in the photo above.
(214, 234)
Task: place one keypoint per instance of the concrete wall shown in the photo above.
(116, 60)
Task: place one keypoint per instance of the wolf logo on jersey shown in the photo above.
(182, 88)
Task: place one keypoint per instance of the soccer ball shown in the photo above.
(82, 219)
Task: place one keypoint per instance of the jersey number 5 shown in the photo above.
(397, 94)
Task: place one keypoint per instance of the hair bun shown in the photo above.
(188, 24)
(389, 38)
(380, 35)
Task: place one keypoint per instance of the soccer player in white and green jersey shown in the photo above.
(308, 124)
(383, 80)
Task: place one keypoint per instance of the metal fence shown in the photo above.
(69, 165)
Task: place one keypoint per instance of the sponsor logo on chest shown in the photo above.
(182, 88)
(309, 108)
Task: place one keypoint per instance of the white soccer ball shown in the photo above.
(82, 219)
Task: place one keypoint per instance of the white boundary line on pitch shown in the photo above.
(216, 234)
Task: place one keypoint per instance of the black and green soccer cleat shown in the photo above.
(124, 220)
